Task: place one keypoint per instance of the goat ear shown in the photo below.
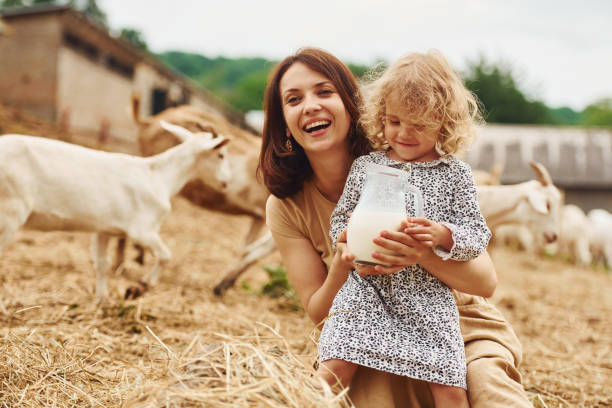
(538, 202)
(542, 173)
(178, 131)
(223, 142)
(216, 143)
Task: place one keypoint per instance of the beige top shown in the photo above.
(304, 215)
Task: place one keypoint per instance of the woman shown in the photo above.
(311, 137)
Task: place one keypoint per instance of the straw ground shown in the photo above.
(180, 346)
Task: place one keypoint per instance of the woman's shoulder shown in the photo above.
(300, 214)
(283, 215)
(275, 204)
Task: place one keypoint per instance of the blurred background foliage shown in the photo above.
(241, 81)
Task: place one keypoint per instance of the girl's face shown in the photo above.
(313, 109)
(409, 140)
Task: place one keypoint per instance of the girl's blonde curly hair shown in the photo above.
(434, 97)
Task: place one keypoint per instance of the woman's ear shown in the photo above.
(287, 132)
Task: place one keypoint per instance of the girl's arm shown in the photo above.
(475, 277)
(314, 285)
(470, 233)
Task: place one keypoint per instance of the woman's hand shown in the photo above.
(406, 250)
(342, 250)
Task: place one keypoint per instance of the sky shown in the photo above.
(560, 50)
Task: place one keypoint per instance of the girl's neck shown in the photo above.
(330, 172)
(429, 157)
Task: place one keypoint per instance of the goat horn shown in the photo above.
(542, 173)
(207, 128)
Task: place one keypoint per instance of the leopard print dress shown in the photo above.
(407, 323)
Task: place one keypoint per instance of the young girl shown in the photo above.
(419, 115)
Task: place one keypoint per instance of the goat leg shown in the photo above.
(141, 254)
(119, 254)
(135, 291)
(258, 250)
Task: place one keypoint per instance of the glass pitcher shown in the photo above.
(382, 206)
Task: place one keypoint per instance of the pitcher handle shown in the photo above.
(418, 200)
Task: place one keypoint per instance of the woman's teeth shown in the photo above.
(318, 125)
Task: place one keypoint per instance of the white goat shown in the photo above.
(49, 185)
(488, 178)
(575, 233)
(518, 236)
(601, 234)
(535, 204)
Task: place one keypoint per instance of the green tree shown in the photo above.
(92, 10)
(249, 92)
(503, 101)
(565, 116)
(25, 3)
(358, 70)
(188, 64)
(134, 37)
(11, 3)
(598, 113)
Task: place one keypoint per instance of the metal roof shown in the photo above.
(575, 157)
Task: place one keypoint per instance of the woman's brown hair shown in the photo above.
(284, 171)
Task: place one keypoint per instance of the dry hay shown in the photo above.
(561, 313)
(53, 368)
(176, 346)
(180, 346)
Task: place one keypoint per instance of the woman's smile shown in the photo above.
(317, 127)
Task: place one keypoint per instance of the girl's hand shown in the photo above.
(406, 250)
(430, 233)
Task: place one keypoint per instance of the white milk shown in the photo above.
(364, 226)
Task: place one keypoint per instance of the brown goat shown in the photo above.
(243, 195)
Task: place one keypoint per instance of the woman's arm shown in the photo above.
(475, 277)
(314, 285)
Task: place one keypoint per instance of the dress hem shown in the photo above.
(396, 372)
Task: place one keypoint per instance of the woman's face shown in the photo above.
(313, 109)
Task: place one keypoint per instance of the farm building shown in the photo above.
(579, 159)
(63, 67)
